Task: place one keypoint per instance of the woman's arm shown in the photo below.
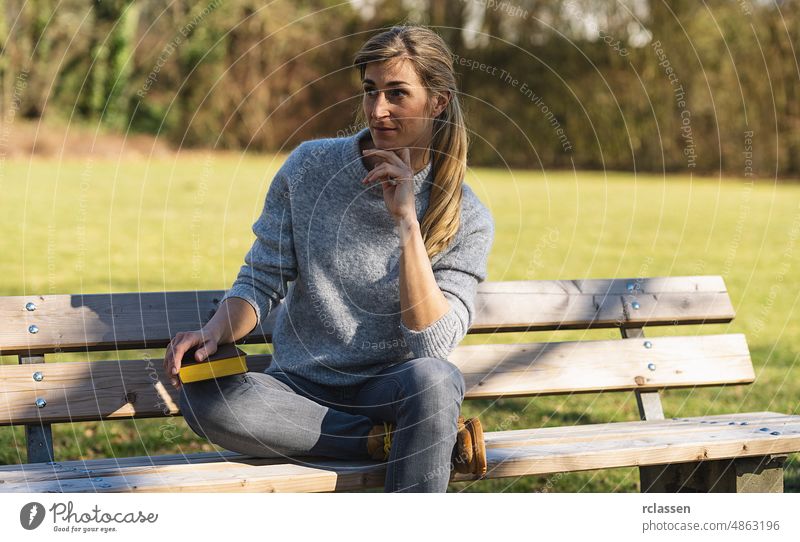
(436, 300)
(234, 319)
(421, 299)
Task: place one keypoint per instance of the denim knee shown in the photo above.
(192, 405)
(439, 381)
(184, 404)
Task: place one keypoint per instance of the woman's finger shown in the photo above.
(407, 156)
(169, 358)
(377, 172)
(206, 350)
(169, 355)
(389, 156)
(387, 170)
(178, 351)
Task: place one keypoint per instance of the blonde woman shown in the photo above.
(376, 247)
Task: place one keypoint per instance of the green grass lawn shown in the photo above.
(96, 226)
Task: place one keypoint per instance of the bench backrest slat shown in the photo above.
(508, 370)
(149, 319)
(137, 388)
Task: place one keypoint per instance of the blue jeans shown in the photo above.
(278, 415)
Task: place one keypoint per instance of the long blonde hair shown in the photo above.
(433, 63)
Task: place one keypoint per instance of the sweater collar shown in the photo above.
(356, 169)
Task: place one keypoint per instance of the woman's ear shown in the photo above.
(442, 100)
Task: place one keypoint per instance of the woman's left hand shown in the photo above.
(396, 176)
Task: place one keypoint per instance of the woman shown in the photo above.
(384, 247)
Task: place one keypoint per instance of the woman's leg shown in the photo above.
(259, 415)
(423, 398)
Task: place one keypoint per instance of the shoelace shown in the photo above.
(387, 439)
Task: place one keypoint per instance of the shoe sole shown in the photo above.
(475, 429)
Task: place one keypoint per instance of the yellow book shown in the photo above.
(227, 360)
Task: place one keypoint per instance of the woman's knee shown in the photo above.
(194, 408)
(208, 405)
(186, 403)
(434, 378)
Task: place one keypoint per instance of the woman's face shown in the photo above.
(395, 107)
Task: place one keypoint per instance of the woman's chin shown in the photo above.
(384, 135)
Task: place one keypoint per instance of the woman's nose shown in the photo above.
(380, 108)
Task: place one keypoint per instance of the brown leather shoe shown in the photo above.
(379, 441)
(469, 453)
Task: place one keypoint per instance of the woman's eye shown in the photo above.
(373, 92)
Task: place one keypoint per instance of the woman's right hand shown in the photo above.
(180, 344)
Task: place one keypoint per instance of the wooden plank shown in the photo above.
(149, 319)
(137, 388)
(84, 467)
(188, 478)
(613, 365)
(598, 303)
(493, 439)
(99, 390)
(598, 435)
(67, 323)
(631, 426)
(234, 473)
(505, 462)
(564, 436)
(646, 449)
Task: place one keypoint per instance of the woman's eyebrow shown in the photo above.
(389, 84)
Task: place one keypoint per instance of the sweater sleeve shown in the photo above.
(270, 263)
(457, 272)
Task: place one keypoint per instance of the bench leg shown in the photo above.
(40, 443)
(39, 437)
(762, 474)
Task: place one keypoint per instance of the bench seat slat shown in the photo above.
(648, 450)
(29, 471)
(149, 319)
(619, 430)
(82, 391)
(525, 456)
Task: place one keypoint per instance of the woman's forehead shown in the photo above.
(392, 70)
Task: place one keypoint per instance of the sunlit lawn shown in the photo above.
(103, 226)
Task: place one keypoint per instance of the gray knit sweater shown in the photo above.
(328, 247)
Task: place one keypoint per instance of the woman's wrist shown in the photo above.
(407, 220)
(211, 331)
(407, 227)
(235, 318)
(214, 327)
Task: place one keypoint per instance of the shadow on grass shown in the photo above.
(791, 474)
(523, 413)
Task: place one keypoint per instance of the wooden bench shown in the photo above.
(721, 452)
